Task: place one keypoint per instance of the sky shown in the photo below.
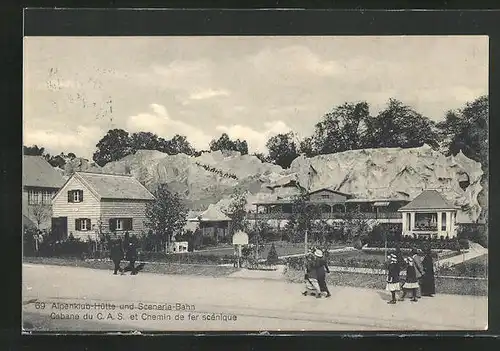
(77, 88)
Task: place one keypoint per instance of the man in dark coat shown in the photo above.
(116, 255)
(131, 257)
(428, 286)
(322, 268)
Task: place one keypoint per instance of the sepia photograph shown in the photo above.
(255, 183)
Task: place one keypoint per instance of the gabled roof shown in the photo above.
(329, 190)
(211, 214)
(112, 186)
(37, 172)
(428, 200)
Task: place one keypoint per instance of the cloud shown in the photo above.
(295, 59)
(208, 94)
(163, 125)
(80, 141)
(256, 139)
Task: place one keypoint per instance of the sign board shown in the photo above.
(240, 238)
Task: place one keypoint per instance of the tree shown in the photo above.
(272, 256)
(57, 161)
(225, 143)
(304, 215)
(339, 130)
(33, 150)
(306, 147)
(40, 212)
(177, 145)
(113, 146)
(466, 130)
(282, 149)
(237, 211)
(400, 126)
(166, 215)
(144, 141)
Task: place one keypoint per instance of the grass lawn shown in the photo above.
(282, 248)
(170, 268)
(476, 267)
(376, 281)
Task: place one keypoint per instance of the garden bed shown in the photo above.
(357, 259)
(444, 285)
(165, 268)
(476, 267)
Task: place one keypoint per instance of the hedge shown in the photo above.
(434, 244)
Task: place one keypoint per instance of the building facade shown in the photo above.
(429, 215)
(41, 182)
(93, 203)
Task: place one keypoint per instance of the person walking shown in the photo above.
(428, 284)
(131, 257)
(419, 270)
(393, 271)
(116, 255)
(311, 276)
(322, 268)
(411, 283)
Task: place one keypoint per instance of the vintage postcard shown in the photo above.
(225, 183)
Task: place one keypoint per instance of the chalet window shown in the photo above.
(46, 197)
(83, 224)
(75, 196)
(117, 224)
(34, 197)
(325, 196)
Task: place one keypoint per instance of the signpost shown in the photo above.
(240, 238)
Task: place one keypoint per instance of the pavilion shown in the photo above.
(212, 222)
(429, 215)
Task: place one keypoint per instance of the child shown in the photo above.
(393, 277)
(411, 282)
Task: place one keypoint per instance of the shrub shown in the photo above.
(272, 256)
(464, 243)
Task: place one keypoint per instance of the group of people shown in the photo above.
(315, 276)
(419, 279)
(117, 254)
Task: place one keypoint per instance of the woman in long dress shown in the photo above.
(428, 287)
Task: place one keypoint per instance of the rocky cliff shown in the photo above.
(396, 172)
(371, 173)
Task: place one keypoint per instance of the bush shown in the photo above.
(409, 243)
(272, 256)
(475, 232)
(464, 243)
(186, 258)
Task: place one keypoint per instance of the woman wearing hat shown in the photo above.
(322, 270)
(411, 282)
(393, 277)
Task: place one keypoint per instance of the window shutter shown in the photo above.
(81, 195)
(128, 224)
(89, 224)
(112, 224)
(77, 224)
(70, 198)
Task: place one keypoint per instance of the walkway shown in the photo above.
(475, 250)
(206, 303)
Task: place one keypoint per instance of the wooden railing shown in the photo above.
(328, 215)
